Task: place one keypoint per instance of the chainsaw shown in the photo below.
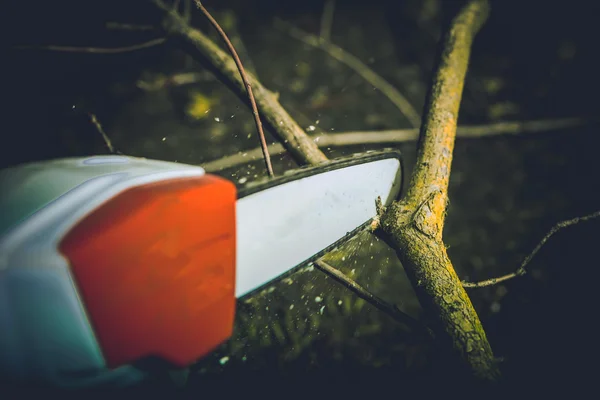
(106, 261)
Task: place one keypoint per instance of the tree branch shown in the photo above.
(327, 20)
(129, 27)
(401, 136)
(522, 270)
(390, 309)
(105, 138)
(494, 281)
(98, 50)
(160, 82)
(414, 225)
(277, 119)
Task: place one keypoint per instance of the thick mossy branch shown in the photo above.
(439, 289)
(302, 148)
(438, 131)
(414, 225)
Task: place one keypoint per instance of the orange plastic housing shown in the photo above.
(155, 269)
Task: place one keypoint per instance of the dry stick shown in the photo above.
(177, 79)
(327, 20)
(494, 281)
(261, 134)
(389, 309)
(521, 270)
(414, 225)
(129, 27)
(401, 136)
(198, 45)
(358, 66)
(187, 10)
(465, 132)
(98, 50)
(105, 137)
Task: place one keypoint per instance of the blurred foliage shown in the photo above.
(199, 105)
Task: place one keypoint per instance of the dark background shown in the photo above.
(532, 60)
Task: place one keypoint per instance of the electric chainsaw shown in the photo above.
(109, 260)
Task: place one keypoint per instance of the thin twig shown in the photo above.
(177, 79)
(358, 66)
(187, 10)
(129, 27)
(391, 310)
(522, 270)
(493, 281)
(98, 50)
(464, 132)
(402, 136)
(105, 137)
(327, 20)
(263, 142)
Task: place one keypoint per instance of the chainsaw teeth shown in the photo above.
(369, 155)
